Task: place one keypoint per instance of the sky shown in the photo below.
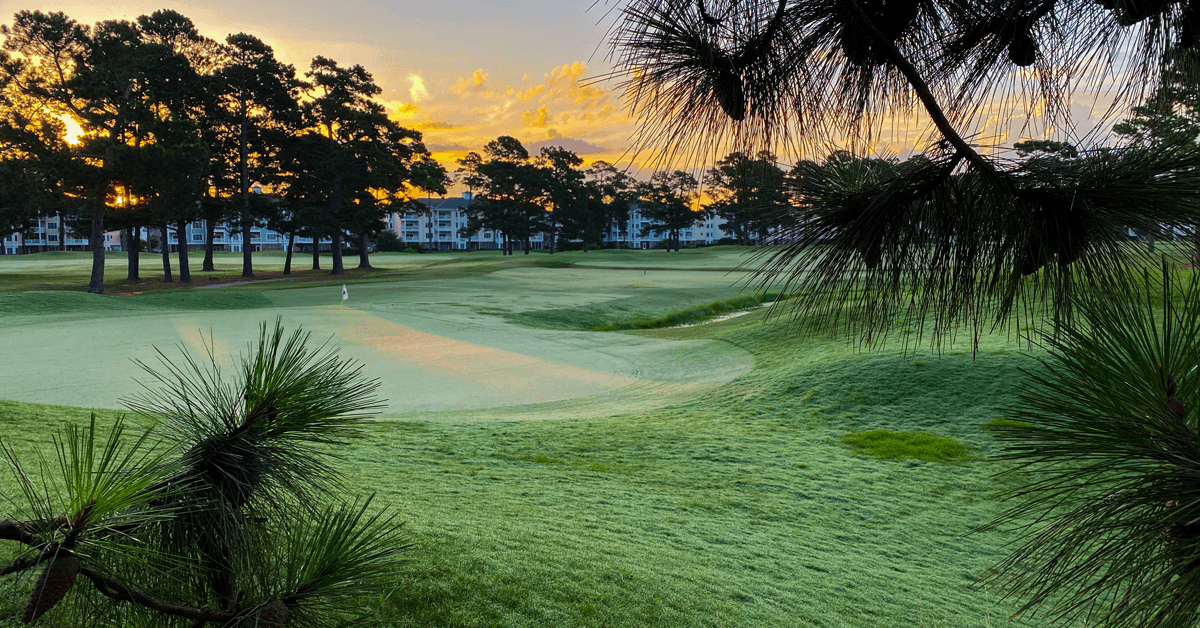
(464, 72)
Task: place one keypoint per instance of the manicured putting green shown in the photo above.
(438, 347)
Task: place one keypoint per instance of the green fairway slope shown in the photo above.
(740, 506)
(707, 476)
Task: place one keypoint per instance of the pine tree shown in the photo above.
(995, 238)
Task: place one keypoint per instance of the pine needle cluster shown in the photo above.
(226, 511)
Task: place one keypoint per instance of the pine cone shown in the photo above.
(273, 614)
(1173, 404)
(51, 586)
(1177, 407)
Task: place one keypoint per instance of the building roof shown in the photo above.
(454, 202)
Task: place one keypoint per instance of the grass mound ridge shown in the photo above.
(694, 314)
(920, 445)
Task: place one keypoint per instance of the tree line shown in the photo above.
(518, 195)
(177, 127)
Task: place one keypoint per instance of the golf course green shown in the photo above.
(734, 473)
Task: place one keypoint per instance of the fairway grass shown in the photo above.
(719, 491)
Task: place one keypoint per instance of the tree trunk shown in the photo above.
(526, 244)
(287, 261)
(247, 221)
(165, 243)
(96, 240)
(336, 247)
(363, 260)
(210, 228)
(62, 233)
(1196, 256)
(316, 253)
(185, 272)
(1150, 242)
(132, 241)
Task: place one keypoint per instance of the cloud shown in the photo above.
(437, 126)
(399, 110)
(417, 91)
(446, 148)
(468, 84)
(577, 146)
(536, 117)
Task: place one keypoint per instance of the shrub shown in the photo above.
(226, 512)
(389, 242)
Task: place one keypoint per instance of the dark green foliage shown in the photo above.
(959, 236)
(389, 242)
(511, 188)
(750, 193)
(1107, 430)
(354, 162)
(667, 199)
(1171, 115)
(884, 242)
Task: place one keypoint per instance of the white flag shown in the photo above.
(345, 295)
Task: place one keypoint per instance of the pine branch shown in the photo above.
(21, 564)
(914, 78)
(19, 530)
(116, 590)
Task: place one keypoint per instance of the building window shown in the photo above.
(54, 237)
(52, 225)
(197, 237)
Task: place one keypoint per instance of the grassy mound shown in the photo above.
(694, 314)
(904, 445)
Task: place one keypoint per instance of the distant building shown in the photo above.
(435, 224)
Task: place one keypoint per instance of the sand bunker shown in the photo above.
(493, 368)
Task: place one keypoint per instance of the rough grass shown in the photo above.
(920, 445)
(739, 507)
(694, 314)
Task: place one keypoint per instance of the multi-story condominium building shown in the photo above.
(436, 224)
(704, 232)
(49, 234)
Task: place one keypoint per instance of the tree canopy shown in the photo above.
(177, 127)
